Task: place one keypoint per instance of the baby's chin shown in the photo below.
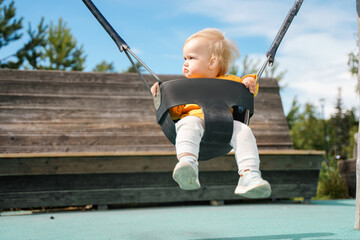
(189, 75)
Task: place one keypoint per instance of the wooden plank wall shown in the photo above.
(75, 138)
(56, 111)
(103, 179)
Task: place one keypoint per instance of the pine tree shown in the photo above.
(342, 126)
(62, 52)
(250, 66)
(104, 67)
(32, 53)
(132, 69)
(9, 28)
(34, 49)
(293, 115)
(306, 128)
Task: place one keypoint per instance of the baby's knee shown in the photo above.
(242, 130)
(190, 123)
(246, 129)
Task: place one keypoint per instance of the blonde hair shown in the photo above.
(219, 46)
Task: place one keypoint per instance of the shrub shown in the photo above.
(331, 184)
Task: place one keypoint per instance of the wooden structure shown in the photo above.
(347, 169)
(75, 138)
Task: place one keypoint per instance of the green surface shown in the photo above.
(333, 219)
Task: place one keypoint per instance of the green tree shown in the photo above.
(273, 72)
(32, 53)
(9, 27)
(62, 52)
(294, 114)
(251, 66)
(353, 60)
(342, 126)
(132, 69)
(306, 128)
(353, 63)
(34, 49)
(104, 67)
(53, 48)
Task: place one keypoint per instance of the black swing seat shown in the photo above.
(216, 97)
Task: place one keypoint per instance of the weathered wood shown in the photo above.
(284, 185)
(35, 164)
(59, 88)
(94, 148)
(347, 169)
(72, 102)
(95, 77)
(141, 180)
(79, 179)
(54, 111)
(23, 115)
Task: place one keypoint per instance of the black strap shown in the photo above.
(216, 97)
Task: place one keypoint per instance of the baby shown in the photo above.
(207, 54)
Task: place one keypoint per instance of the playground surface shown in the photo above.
(330, 219)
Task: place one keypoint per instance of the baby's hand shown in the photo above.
(154, 88)
(250, 83)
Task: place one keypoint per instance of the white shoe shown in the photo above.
(251, 185)
(186, 175)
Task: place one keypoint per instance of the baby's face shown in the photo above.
(197, 60)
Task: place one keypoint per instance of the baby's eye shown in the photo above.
(188, 58)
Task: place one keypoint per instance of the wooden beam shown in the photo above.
(139, 195)
(85, 163)
(147, 153)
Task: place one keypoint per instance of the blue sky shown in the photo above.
(314, 52)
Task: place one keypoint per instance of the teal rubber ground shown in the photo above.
(333, 219)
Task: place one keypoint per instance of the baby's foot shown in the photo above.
(251, 185)
(186, 175)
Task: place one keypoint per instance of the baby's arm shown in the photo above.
(175, 112)
(250, 81)
(154, 88)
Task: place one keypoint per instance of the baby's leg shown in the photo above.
(245, 148)
(250, 184)
(189, 133)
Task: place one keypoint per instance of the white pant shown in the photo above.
(190, 130)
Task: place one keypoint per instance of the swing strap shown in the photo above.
(270, 55)
(120, 42)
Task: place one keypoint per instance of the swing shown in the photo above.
(205, 92)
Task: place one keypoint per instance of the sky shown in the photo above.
(314, 51)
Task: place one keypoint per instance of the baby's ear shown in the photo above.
(213, 63)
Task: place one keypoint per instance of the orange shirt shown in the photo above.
(182, 111)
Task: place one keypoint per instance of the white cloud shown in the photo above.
(253, 17)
